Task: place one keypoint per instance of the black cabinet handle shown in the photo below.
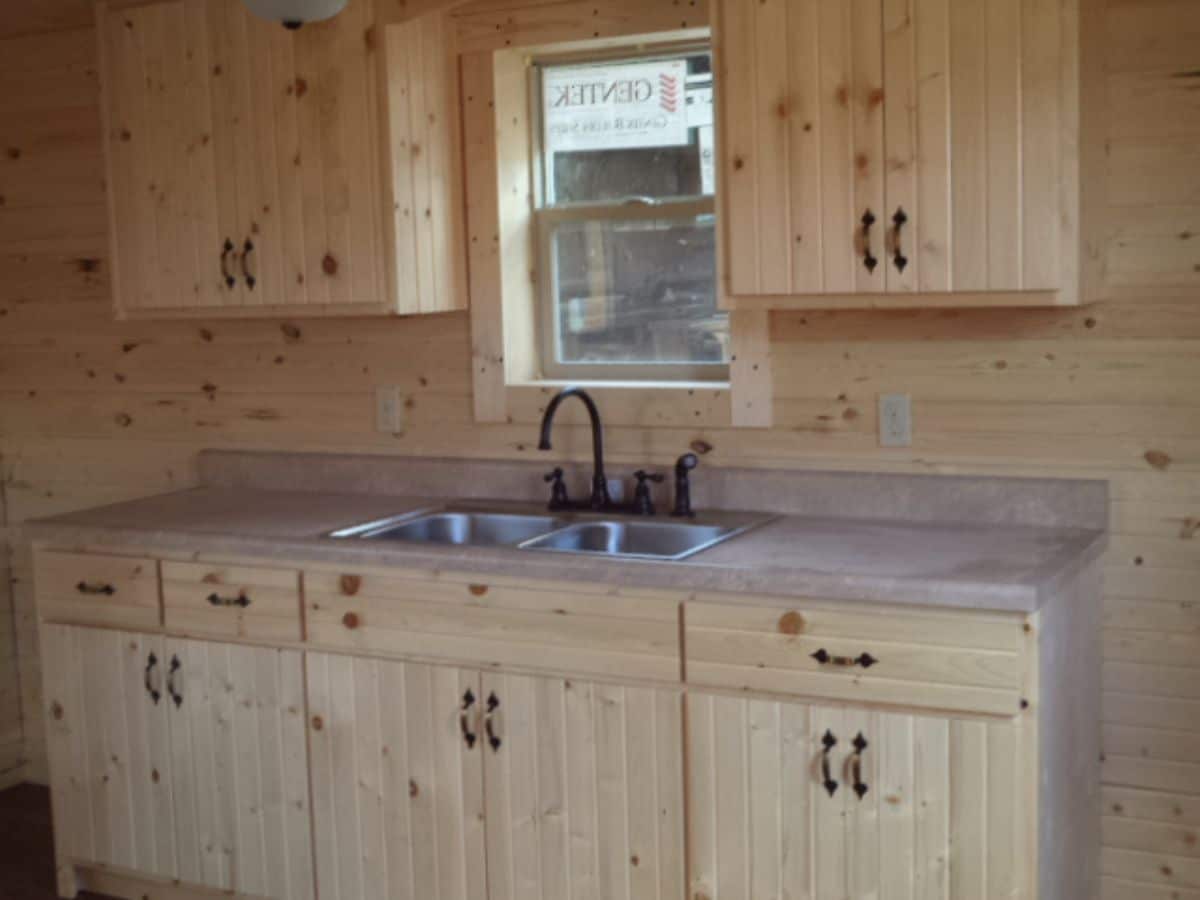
(828, 742)
(172, 691)
(240, 600)
(106, 589)
(825, 658)
(860, 787)
(151, 662)
(469, 737)
(493, 704)
(899, 220)
(869, 259)
(226, 249)
(247, 249)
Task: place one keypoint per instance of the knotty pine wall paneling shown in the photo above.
(93, 411)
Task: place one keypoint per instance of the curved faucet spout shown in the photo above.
(600, 498)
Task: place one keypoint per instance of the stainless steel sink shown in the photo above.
(637, 540)
(476, 529)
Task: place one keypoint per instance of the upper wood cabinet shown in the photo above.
(251, 168)
(899, 152)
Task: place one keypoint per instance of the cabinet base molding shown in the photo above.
(116, 882)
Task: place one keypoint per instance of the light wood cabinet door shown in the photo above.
(397, 779)
(897, 147)
(239, 768)
(787, 799)
(108, 748)
(584, 790)
(245, 170)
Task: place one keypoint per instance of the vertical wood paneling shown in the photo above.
(772, 112)
(1043, 45)
(585, 792)
(841, 247)
(241, 798)
(867, 153)
(219, 18)
(1002, 27)
(968, 143)
(741, 162)
(397, 797)
(805, 183)
(902, 109)
(931, 241)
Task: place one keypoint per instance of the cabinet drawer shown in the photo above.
(543, 627)
(955, 661)
(232, 601)
(89, 589)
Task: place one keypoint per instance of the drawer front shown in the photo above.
(91, 589)
(232, 601)
(953, 661)
(545, 627)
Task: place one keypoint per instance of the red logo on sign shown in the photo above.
(668, 89)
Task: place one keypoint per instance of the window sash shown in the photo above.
(545, 222)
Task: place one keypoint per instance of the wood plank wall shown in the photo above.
(92, 411)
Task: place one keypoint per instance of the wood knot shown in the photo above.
(791, 623)
(478, 590)
(738, 164)
(56, 711)
(350, 585)
(413, 790)
(301, 87)
(329, 265)
(318, 724)
(875, 98)
(154, 776)
(350, 620)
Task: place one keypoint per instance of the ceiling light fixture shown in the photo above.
(294, 13)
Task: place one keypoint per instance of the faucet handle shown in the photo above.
(643, 503)
(558, 490)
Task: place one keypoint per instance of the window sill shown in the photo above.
(642, 404)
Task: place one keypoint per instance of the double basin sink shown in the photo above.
(612, 536)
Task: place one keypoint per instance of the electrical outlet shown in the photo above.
(389, 410)
(895, 420)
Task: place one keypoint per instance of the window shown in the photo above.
(624, 216)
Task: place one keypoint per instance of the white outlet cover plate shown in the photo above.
(895, 420)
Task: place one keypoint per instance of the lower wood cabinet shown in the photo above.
(180, 759)
(788, 799)
(436, 782)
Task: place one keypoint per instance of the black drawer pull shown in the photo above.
(823, 656)
(469, 737)
(869, 259)
(151, 663)
(900, 261)
(828, 742)
(493, 704)
(226, 249)
(240, 600)
(860, 786)
(247, 249)
(172, 691)
(106, 589)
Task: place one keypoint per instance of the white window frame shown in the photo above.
(547, 218)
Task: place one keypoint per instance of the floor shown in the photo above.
(26, 846)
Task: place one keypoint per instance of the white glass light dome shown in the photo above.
(294, 13)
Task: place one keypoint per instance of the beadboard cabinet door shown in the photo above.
(788, 799)
(109, 750)
(397, 779)
(245, 174)
(584, 790)
(898, 152)
(239, 768)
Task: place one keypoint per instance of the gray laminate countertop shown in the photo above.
(966, 565)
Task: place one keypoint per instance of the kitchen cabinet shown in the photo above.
(584, 789)
(898, 152)
(397, 779)
(178, 759)
(254, 170)
(848, 802)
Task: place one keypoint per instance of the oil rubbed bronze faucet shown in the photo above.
(600, 500)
